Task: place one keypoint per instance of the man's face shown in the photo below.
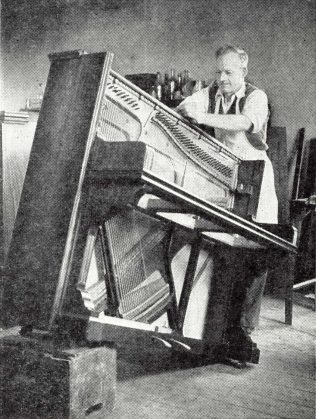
(229, 73)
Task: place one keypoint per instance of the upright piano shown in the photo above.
(125, 214)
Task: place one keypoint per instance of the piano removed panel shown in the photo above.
(122, 205)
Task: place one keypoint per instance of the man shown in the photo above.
(236, 113)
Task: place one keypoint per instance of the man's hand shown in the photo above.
(188, 110)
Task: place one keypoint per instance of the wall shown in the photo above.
(152, 35)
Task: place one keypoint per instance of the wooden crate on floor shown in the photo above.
(40, 380)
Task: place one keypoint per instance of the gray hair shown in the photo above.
(243, 56)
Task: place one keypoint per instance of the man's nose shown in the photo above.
(223, 76)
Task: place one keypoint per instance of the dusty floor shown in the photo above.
(156, 385)
(281, 386)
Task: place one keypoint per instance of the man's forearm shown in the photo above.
(228, 122)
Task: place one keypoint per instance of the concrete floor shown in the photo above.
(282, 385)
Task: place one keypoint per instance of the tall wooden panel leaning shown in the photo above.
(44, 230)
(127, 217)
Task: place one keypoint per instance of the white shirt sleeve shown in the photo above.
(256, 109)
(200, 99)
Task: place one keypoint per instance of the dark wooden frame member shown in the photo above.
(65, 130)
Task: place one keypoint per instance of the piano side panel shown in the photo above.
(93, 273)
(51, 187)
(250, 176)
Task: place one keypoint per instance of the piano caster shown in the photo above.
(235, 363)
(239, 349)
(244, 354)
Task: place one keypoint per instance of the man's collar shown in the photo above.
(239, 94)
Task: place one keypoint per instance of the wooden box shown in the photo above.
(38, 380)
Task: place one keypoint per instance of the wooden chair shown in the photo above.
(300, 211)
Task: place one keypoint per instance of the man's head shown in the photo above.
(231, 68)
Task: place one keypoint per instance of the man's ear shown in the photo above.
(245, 71)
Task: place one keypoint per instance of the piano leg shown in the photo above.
(172, 311)
(228, 293)
(188, 280)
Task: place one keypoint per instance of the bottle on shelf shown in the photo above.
(159, 86)
(187, 84)
(180, 81)
(185, 77)
(172, 89)
(178, 90)
(165, 88)
(152, 91)
(172, 83)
